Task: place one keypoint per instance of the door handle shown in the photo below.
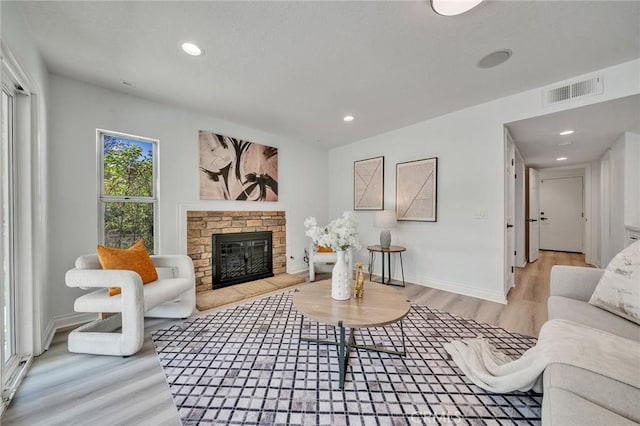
(509, 226)
(544, 218)
(532, 220)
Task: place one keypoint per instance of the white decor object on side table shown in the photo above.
(385, 219)
(340, 235)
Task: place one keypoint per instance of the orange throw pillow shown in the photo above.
(323, 249)
(135, 259)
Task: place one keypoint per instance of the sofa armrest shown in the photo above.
(180, 261)
(102, 278)
(574, 282)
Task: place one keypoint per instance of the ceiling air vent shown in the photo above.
(568, 91)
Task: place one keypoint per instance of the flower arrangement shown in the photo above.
(339, 234)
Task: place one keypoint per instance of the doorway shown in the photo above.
(561, 214)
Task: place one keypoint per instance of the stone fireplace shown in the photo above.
(202, 225)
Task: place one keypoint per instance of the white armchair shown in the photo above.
(316, 257)
(172, 295)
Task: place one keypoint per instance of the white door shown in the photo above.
(533, 216)
(561, 214)
(510, 200)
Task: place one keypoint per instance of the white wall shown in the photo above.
(620, 194)
(31, 183)
(593, 221)
(616, 214)
(458, 253)
(632, 180)
(79, 108)
(521, 215)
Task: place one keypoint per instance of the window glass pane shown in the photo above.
(6, 278)
(128, 167)
(125, 223)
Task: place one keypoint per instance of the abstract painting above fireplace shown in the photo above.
(235, 169)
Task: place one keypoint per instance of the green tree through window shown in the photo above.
(128, 191)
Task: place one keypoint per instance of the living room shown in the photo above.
(459, 118)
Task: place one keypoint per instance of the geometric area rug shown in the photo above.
(247, 366)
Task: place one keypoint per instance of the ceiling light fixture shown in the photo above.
(453, 7)
(494, 59)
(191, 49)
(348, 118)
(561, 158)
(566, 132)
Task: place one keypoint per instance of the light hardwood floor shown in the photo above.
(62, 388)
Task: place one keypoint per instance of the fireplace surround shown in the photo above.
(202, 224)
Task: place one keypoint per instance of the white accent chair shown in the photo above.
(172, 295)
(316, 257)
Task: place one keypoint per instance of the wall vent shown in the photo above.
(573, 90)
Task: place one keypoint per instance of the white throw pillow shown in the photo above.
(619, 288)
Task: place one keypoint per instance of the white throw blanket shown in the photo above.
(560, 341)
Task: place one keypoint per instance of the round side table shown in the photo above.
(392, 249)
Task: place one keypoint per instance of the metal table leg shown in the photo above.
(371, 260)
(342, 361)
(345, 345)
(389, 266)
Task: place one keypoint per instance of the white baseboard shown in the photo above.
(298, 271)
(63, 321)
(463, 290)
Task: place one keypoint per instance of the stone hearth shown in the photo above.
(202, 224)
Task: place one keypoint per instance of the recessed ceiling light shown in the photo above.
(561, 158)
(348, 118)
(192, 49)
(453, 7)
(494, 59)
(565, 143)
(566, 132)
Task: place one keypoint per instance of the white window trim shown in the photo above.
(102, 198)
(11, 362)
(28, 235)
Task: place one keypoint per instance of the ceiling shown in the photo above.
(596, 127)
(296, 68)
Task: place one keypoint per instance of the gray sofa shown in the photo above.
(573, 396)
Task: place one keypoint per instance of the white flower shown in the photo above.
(339, 234)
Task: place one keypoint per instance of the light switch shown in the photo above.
(481, 214)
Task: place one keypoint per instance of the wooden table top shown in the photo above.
(391, 249)
(379, 306)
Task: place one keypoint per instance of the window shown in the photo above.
(128, 190)
(8, 351)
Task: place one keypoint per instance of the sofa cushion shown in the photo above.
(584, 313)
(562, 408)
(155, 293)
(591, 397)
(619, 288)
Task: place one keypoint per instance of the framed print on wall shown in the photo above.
(368, 184)
(416, 190)
(235, 169)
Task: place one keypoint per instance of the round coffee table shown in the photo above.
(380, 305)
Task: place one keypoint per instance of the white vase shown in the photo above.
(341, 278)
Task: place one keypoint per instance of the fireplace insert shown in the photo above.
(241, 257)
